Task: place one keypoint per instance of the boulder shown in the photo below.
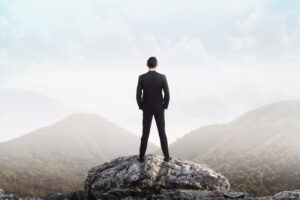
(287, 195)
(126, 177)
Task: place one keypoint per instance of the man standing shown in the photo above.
(151, 101)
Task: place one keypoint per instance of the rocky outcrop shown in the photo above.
(126, 177)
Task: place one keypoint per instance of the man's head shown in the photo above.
(152, 62)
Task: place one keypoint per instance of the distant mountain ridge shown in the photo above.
(62, 153)
(28, 109)
(259, 151)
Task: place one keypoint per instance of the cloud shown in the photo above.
(188, 51)
(43, 32)
(264, 36)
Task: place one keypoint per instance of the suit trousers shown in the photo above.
(159, 116)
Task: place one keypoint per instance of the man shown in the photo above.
(151, 101)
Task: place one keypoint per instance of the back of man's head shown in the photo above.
(152, 62)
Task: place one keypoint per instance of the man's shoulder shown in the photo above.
(162, 75)
(142, 75)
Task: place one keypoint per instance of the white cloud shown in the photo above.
(263, 37)
(188, 51)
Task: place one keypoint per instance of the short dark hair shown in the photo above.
(152, 62)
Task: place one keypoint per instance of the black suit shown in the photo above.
(150, 99)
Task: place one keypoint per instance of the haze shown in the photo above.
(221, 58)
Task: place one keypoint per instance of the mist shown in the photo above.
(246, 55)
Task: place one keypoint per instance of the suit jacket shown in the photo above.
(149, 91)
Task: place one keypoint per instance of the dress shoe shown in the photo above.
(141, 159)
(167, 159)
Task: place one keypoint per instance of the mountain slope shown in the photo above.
(259, 151)
(29, 110)
(56, 158)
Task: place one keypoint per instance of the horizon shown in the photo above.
(97, 114)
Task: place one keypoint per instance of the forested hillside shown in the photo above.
(56, 158)
(259, 151)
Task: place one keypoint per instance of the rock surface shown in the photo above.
(126, 177)
(59, 196)
(288, 195)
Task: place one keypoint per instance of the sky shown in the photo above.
(221, 58)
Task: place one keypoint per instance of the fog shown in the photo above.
(220, 60)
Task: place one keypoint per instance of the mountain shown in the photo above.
(29, 110)
(56, 158)
(259, 151)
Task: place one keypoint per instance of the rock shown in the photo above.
(58, 196)
(187, 194)
(126, 177)
(79, 195)
(287, 195)
(8, 197)
(17, 197)
(234, 194)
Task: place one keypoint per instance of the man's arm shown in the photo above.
(166, 92)
(139, 98)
